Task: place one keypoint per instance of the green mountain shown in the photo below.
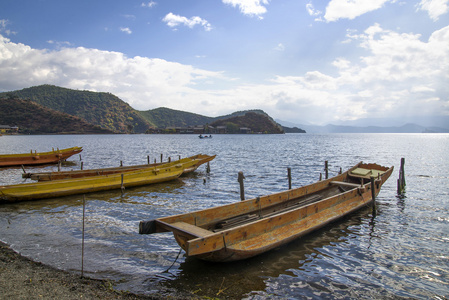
(114, 115)
(255, 122)
(102, 109)
(33, 118)
(165, 117)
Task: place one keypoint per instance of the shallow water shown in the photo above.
(402, 251)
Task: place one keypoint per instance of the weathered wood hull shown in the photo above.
(38, 158)
(189, 164)
(251, 227)
(65, 187)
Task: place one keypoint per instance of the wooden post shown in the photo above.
(80, 158)
(401, 180)
(179, 157)
(121, 163)
(373, 189)
(169, 159)
(82, 241)
(242, 188)
(208, 168)
(289, 174)
(59, 166)
(23, 169)
(326, 169)
(155, 160)
(161, 157)
(82, 163)
(373, 194)
(148, 159)
(122, 187)
(321, 176)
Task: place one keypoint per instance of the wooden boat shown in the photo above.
(57, 188)
(38, 158)
(190, 164)
(244, 229)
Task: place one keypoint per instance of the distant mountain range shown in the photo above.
(52, 109)
(406, 128)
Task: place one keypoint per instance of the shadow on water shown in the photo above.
(236, 279)
(130, 194)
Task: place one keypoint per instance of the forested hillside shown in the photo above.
(113, 114)
(256, 122)
(165, 117)
(33, 118)
(102, 109)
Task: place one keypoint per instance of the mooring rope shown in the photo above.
(179, 253)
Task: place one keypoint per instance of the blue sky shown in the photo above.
(311, 61)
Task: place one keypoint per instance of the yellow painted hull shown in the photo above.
(37, 158)
(57, 188)
(189, 164)
(248, 228)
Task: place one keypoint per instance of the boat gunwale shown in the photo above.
(37, 158)
(31, 154)
(64, 187)
(199, 159)
(251, 201)
(218, 239)
(353, 194)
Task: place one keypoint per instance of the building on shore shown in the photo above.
(6, 129)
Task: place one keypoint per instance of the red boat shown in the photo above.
(38, 158)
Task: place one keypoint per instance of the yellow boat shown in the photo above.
(244, 229)
(57, 188)
(37, 158)
(190, 164)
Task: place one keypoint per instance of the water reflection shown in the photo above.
(401, 251)
(247, 277)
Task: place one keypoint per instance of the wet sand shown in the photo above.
(22, 278)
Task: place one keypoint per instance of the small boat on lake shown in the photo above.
(190, 164)
(38, 158)
(244, 229)
(65, 187)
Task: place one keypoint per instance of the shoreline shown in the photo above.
(23, 278)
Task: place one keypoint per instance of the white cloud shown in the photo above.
(125, 30)
(59, 44)
(280, 47)
(143, 82)
(174, 21)
(3, 24)
(435, 8)
(341, 63)
(312, 11)
(130, 17)
(350, 9)
(148, 4)
(249, 7)
(401, 74)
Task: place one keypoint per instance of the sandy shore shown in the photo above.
(21, 278)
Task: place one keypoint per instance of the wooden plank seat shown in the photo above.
(366, 173)
(348, 184)
(191, 229)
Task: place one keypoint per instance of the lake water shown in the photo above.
(401, 251)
